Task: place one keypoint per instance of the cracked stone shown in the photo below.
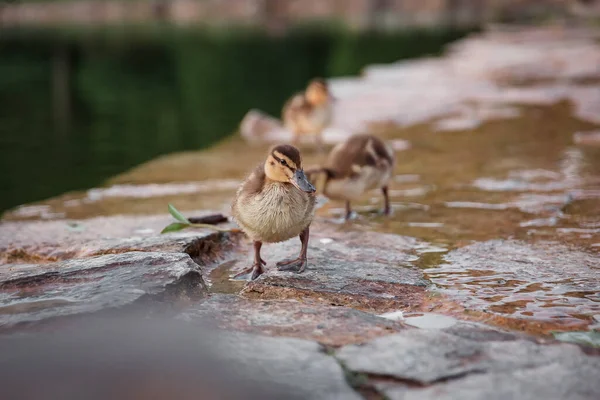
(426, 357)
(34, 292)
(47, 241)
(561, 379)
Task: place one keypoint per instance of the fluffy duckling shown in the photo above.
(360, 164)
(309, 112)
(275, 203)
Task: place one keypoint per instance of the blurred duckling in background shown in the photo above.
(308, 113)
(275, 203)
(360, 164)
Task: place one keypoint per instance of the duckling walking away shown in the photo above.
(310, 112)
(360, 164)
(275, 203)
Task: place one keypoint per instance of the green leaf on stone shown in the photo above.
(177, 215)
(588, 338)
(174, 227)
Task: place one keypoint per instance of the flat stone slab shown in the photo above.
(302, 366)
(421, 363)
(30, 292)
(328, 325)
(363, 270)
(545, 281)
(47, 241)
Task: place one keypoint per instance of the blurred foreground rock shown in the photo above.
(138, 358)
(133, 358)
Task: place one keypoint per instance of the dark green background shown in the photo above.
(135, 94)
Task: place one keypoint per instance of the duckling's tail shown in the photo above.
(312, 173)
(319, 176)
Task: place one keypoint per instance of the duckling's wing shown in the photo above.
(347, 158)
(295, 105)
(255, 182)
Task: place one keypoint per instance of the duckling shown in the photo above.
(360, 164)
(275, 203)
(309, 112)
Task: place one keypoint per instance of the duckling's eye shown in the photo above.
(283, 162)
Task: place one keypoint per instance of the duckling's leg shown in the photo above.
(319, 142)
(386, 198)
(298, 264)
(257, 266)
(296, 139)
(348, 210)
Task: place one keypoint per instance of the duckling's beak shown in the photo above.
(301, 182)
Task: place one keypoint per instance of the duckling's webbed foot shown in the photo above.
(257, 270)
(297, 264)
(257, 267)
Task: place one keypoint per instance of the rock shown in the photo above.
(356, 269)
(257, 126)
(430, 321)
(163, 359)
(302, 366)
(554, 381)
(149, 190)
(479, 332)
(47, 241)
(328, 325)
(456, 367)
(513, 282)
(587, 138)
(38, 292)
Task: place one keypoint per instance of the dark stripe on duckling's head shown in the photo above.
(320, 82)
(287, 155)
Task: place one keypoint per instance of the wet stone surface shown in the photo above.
(364, 270)
(31, 293)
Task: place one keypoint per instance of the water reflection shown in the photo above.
(79, 107)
